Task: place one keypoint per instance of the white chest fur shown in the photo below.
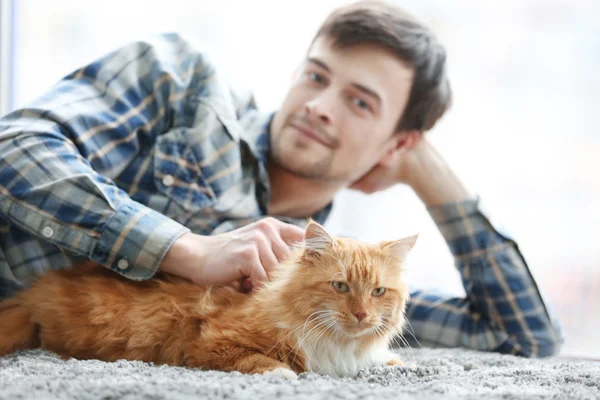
(329, 357)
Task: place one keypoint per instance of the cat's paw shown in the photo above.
(283, 372)
(395, 362)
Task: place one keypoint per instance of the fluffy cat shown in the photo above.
(333, 308)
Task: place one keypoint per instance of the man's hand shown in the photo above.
(252, 251)
(396, 169)
(422, 168)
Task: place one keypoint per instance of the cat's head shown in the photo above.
(347, 288)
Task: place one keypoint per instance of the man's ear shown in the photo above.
(401, 142)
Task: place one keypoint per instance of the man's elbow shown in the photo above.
(543, 344)
(551, 340)
(549, 348)
(538, 344)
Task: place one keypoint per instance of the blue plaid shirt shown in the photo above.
(124, 155)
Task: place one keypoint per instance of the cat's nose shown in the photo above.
(360, 315)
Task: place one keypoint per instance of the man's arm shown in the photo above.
(503, 310)
(57, 156)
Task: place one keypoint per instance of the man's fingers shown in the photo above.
(280, 248)
(257, 274)
(270, 238)
(290, 233)
(267, 257)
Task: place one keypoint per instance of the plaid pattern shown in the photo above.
(124, 155)
(503, 310)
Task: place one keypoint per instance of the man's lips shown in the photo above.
(311, 134)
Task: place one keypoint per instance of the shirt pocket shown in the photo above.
(177, 173)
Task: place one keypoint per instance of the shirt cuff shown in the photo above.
(467, 228)
(135, 240)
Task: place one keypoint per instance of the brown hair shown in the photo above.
(388, 26)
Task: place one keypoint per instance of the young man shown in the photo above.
(146, 160)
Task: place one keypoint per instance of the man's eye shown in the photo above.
(313, 76)
(361, 104)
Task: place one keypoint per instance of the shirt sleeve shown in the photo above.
(57, 155)
(503, 309)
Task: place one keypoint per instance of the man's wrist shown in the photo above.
(432, 179)
(184, 251)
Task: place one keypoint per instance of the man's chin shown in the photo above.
(310, 170)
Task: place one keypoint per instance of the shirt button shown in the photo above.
(48, 232)
(168, 180)
(123, 264)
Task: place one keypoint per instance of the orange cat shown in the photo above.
(333, 308)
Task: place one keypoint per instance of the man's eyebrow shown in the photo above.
(368, 91)
(320, 63)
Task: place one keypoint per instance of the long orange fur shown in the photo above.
(89, 312)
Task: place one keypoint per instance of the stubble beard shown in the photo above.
(318, 171)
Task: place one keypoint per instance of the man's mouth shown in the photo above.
(309, 133)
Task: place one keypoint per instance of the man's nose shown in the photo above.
(321, 109)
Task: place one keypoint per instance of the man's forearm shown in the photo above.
(433, 180)
(503, 309)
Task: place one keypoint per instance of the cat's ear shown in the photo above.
(401, 248)
(316, 238)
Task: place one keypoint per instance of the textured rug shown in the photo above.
(429, 373)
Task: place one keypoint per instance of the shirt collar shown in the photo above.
(256, 133)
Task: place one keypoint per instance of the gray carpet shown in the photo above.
(429, 373)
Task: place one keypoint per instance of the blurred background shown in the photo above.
(522, 132)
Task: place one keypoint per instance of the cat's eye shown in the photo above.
(378, 292)
(340, 286)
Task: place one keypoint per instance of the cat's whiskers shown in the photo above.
(396, 340)
(300, 341)
(322, 319)
(294, 331)
(389, 328)
(284, 338)
(338, 326)
(377, 331)
(382, 332)
(317, 314)
(398, 336)
(413, 332)
(320, 315)
(317, 336)
(408, 348)
(387, 321)
(337, 352)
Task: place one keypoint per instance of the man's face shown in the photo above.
(338, 118)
